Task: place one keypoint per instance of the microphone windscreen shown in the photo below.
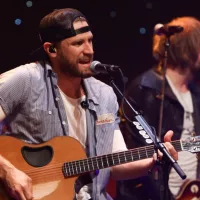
(158, 26)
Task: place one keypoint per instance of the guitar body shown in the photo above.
(43, 163)
(189, 190)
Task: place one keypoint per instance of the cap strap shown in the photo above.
(82, 30)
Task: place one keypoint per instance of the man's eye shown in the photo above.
(90, 40)
(79, 43)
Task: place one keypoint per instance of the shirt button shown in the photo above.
(50, 112)
(57, 98)
(63, 122)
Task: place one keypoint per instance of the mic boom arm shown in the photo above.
(158, 145)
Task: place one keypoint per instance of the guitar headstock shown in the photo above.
(191, 144)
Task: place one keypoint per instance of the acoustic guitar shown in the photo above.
(54, 166)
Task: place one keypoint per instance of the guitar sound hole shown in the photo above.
(37, 157)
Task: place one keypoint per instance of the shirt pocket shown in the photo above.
(46, 124)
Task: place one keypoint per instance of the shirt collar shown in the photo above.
(92, 93)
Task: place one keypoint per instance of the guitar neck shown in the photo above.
(100, 162)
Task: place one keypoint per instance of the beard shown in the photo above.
(74, 71)
(68, 68)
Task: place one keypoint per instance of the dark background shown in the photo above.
(117, 40)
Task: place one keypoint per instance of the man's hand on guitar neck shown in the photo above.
(169, 147)
(18, 184)
(141, 167)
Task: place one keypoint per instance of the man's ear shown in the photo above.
(49, 48)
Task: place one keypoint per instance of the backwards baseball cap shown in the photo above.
(58, 25)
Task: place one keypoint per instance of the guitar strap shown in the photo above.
(89, 178)
(91, 139)
(55, 96)
(90, 151)
(82, 180)
(91, 144)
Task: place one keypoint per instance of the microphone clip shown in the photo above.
(85, 104)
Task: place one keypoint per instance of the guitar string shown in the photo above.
(55, 173)
(99, 158)
(52, 168)
(141, 151)
(37, 176)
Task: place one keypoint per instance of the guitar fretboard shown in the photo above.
(74, 168)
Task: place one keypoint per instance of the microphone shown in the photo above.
(161, 29)
(96, 67)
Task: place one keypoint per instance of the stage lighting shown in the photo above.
(29, 4)
(143, 31)
(18, 21)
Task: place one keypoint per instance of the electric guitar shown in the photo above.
(54, 166)
(190, 190)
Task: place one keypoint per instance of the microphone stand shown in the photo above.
(158, 145)
(164, 174)
(164, 67)
(146, 127)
